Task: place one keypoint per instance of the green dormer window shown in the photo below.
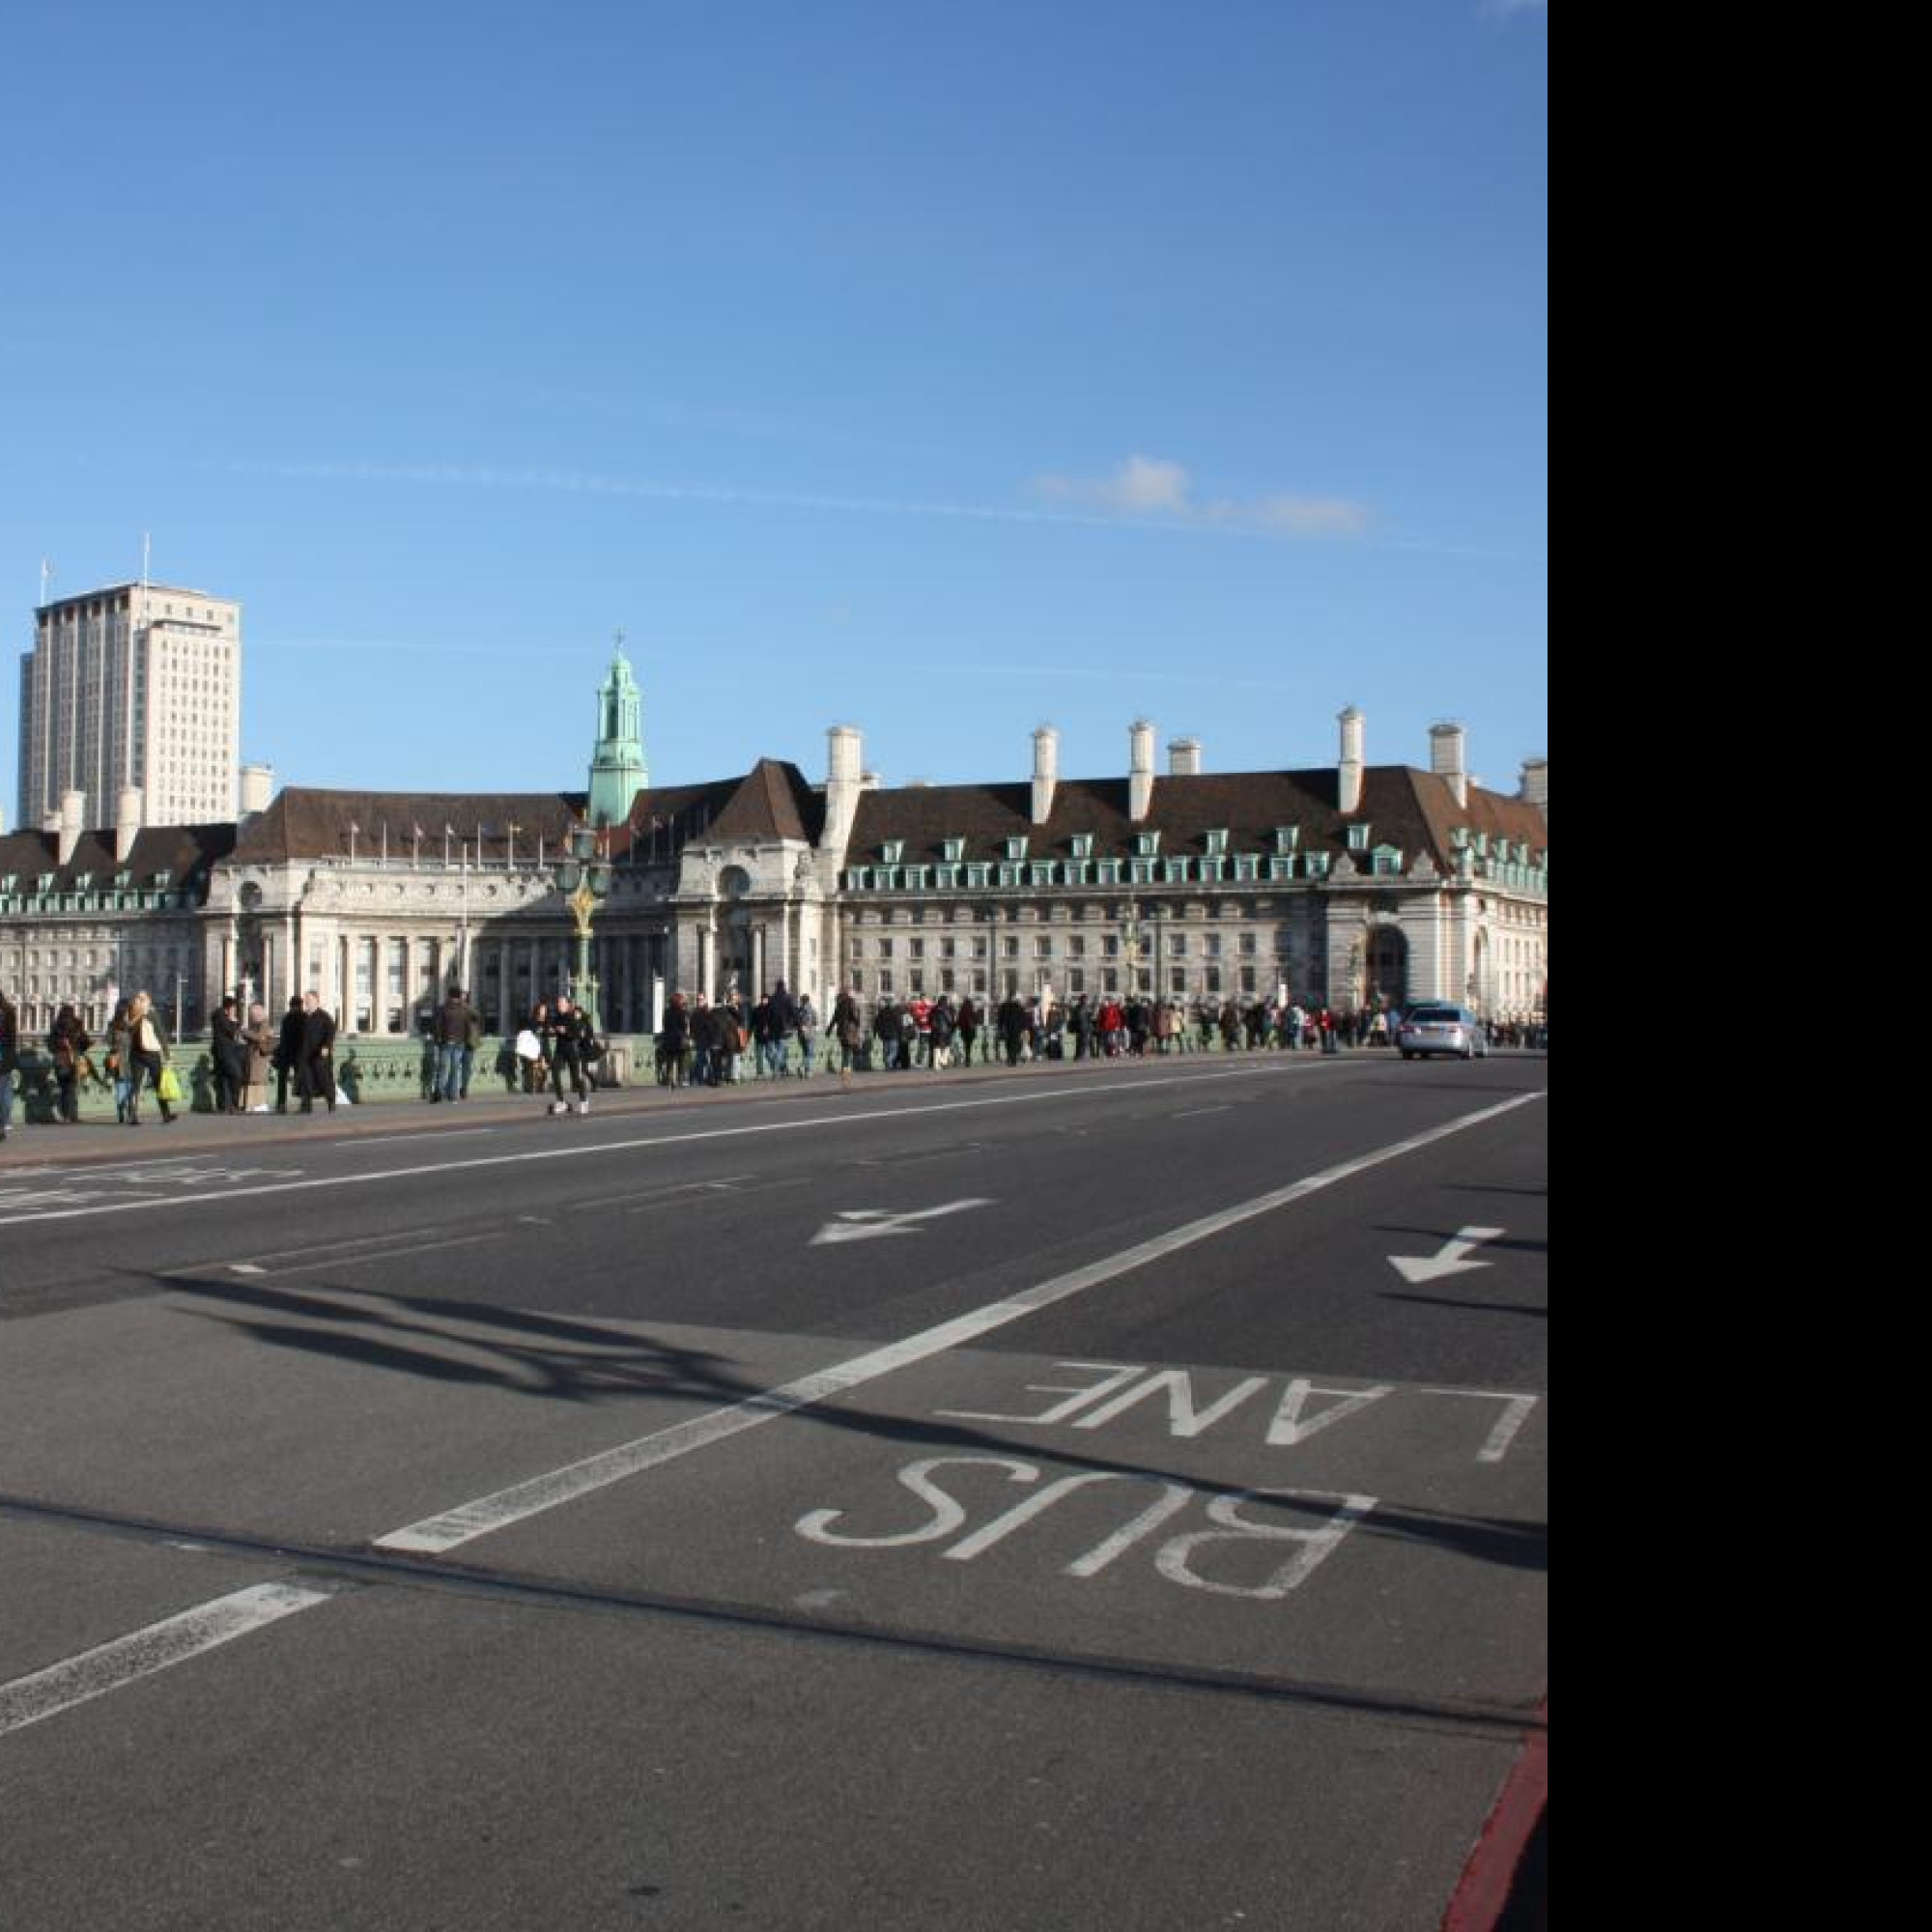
(955, 850)
(1016, 848)
(1217, 845)
(1358, 837)
(1287, 841)
(1147, 844)
(1387, 862)
(1083, 844)
(893, 853)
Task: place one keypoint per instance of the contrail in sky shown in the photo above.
(593, 483)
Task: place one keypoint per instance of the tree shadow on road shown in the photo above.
(474, 1342)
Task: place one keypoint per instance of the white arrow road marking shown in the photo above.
(870, 1224)
(1453, 1257)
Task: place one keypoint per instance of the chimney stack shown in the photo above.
(1536, 781)
(844, 781)
(1448, 745)
(1183, 759)
(127, 814)
(258, 790)
(73, 823)
(1349, 773)
(1140, 770)
(1045, 772)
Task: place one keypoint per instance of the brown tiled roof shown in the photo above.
(1487, 811)
(665, 819)
(1410, 809)
(306, 824)
(774, 801)
(187, 852)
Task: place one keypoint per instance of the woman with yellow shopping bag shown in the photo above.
(147, 1051)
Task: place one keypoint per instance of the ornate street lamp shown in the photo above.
(585, 875)
(1137, 933)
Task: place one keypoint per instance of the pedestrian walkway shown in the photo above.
(99, 1139)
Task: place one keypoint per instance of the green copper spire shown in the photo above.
(618, 772)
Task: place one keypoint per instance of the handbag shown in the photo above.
(168, 1086)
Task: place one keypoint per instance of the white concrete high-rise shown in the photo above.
(136, 685)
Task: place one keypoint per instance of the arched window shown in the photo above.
(1388, 967)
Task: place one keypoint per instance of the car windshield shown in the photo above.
(1435, 1016)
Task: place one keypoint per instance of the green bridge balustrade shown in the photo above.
(370, 1072)
(375, 1072)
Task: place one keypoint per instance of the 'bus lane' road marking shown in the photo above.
(111, 1667)
(439, 1534)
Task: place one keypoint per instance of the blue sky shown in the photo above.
(942, 370)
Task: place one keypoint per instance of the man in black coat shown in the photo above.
(10, 1063)
(230, 1054)
(289, 1050)
(317, 1054)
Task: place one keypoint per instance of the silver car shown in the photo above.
(1443, 1029)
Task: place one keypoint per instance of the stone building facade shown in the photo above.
(1351, 885)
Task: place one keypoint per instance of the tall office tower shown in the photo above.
(135, 686)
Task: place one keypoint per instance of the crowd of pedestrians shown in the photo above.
(707, 1045)
(701, 1043)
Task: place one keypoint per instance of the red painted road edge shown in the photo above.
(1485, 1890)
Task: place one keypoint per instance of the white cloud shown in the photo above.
(1151, 486)
(1142, 486)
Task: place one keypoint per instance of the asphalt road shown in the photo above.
(1034, 1500)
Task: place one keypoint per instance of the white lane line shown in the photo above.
(576, 1151)
(111, 1667)
(438, 1534)
(370, 1255)
(423, 1133)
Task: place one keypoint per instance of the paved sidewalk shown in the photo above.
(95, 1141)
